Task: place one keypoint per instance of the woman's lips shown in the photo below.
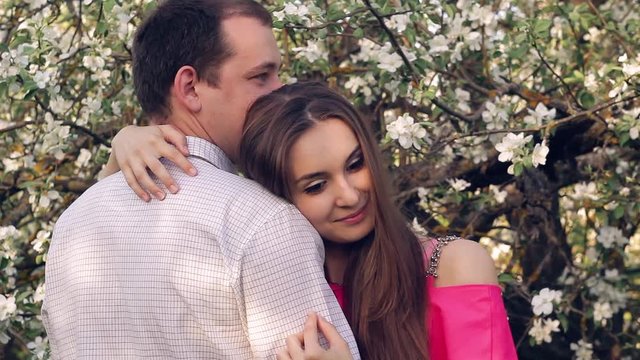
(355, 217)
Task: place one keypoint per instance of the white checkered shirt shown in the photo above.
(221, 270)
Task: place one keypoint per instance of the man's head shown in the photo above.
(200, 64)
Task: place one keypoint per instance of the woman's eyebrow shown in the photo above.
(311, 176)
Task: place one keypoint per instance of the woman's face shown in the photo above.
(331, 183)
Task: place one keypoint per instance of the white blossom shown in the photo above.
(463, 97)
(457, 29)
(83, 158)
(34, 4)
(417, 228)
(93, 63)
(38, 347)
(93, 104)
(602, 311)
(8, 231)
(592, 83)
(46, 197)
(593, 34)
(495, 114)
(7, 306)
(458, 184)
(361, 85)
(438, 45)
(510, 145)
(542, 329)
(634, 132)
(543, 302)
(539, 115)
(582, 191)
(474, 41)
(59, 105)
(42, 238)
(42, 78)
(123, 17)
(398, 22)
(313, 52)
(406, 131)
(389, 60)
(631, 69)
(292, 9)
(38, 294)
(539, 155)
(609, 236)
(582, 349)
(611, 274)
(499, 195)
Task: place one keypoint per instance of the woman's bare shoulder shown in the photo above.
(464, 262)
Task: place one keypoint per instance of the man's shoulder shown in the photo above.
(215, 184)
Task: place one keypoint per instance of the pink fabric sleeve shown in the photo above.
(468, 322)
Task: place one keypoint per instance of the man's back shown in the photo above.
(221, 270)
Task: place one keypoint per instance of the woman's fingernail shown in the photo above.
(174, 189)
(160, 195)
(193, 171)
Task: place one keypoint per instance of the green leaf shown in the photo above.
(3, 88)
(322, 34)
(618, 213)
(431, 92)
(108, 5)
(586, 100)
(21, 296)
(564, 321)
(450, 9)
(624, 138)
(506, 278)
(541, 27)
(519, 52)
(102, 28)
(26, 184)
(359, 33)
(334, 13)
(29, 85)
(518, 169)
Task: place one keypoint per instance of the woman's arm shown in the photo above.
(306, 346)
(465, 262)
(467, 317)
(136, 149)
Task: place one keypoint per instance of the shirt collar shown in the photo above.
(210, 153)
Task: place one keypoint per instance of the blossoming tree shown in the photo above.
(512, 122)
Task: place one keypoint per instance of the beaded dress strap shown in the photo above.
(434, 259)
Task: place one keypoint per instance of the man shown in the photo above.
(223, 270)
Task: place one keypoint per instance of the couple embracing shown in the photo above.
(303, 257)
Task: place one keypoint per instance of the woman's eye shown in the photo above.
(262, 77)
(314, 188)
(356, 164)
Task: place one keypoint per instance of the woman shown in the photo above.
(309, 145)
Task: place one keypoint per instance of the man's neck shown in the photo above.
(189, 126)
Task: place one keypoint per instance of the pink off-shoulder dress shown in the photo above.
(464, 321)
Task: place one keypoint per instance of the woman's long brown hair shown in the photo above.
(384, 283)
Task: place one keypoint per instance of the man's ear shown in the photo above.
(184, 88)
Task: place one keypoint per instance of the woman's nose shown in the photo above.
(347, 194)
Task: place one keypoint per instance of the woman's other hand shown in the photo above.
(136, 149)
(306, 346)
